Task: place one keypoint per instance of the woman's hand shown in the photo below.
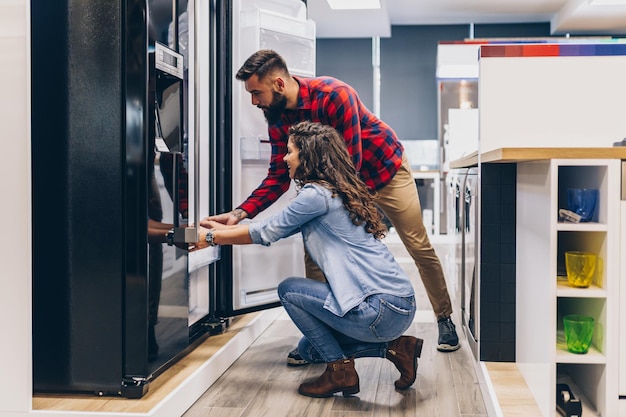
(228, 234)
(201, 243)
(229, 218)
(212, 224)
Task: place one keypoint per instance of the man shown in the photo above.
(377, 154)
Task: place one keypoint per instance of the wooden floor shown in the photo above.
(514, 396)
(260, 383)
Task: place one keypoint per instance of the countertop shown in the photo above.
(511, 155)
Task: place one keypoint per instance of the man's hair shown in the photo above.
(262, 63)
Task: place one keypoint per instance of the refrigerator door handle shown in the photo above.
(185, 235)
(196, 125)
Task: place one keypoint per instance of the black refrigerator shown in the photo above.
(136, 130)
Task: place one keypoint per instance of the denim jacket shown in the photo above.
(355, 263)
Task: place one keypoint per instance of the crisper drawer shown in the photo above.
(299, 52)
(293, 38)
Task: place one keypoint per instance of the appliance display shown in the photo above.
(454, 255)
(290, 34)
(139, 139)
(457, 99)
(463, 231)
(471, 282)
(484, 249)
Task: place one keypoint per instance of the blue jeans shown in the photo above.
(362, 332)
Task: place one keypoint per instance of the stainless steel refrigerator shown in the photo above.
(132, 130)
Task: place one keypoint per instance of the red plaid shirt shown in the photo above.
(374, 146)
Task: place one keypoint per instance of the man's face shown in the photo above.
(267, 97)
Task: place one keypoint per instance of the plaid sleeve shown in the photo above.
(276, 183)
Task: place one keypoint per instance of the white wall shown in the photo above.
(15, 209)
(562, 101)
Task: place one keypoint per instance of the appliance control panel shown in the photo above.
(168, 61)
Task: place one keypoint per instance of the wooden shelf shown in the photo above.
(514, 155)
(538, 154)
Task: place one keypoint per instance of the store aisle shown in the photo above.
(260, 383)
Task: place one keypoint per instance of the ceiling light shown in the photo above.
(353, 4)
(607, 2)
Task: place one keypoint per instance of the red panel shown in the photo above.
(492, 50)
(513, 50)
(541, 50)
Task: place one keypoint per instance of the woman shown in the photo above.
(368, 301)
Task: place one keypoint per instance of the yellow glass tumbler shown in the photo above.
(580, 267)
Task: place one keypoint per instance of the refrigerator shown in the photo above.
(134, 134)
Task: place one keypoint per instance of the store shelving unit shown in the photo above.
(543, 295)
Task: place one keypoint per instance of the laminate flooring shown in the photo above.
(260, 383)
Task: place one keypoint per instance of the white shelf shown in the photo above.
(594, 356)
(563, 289)
(544, 297)
(582, 227)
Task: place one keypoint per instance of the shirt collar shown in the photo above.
(304, 98)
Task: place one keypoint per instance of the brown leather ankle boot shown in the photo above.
(403, 353)
(339, 376)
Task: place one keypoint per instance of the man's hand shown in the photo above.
(201, 243)
(232, 217)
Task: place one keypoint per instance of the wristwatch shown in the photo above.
(169, 237)
(209, 237)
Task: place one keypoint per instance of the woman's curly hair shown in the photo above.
(324, 159)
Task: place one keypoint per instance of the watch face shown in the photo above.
(209, 238)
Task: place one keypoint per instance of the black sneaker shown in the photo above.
(294, 359)
(448, 339)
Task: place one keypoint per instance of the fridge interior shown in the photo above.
(281, 26)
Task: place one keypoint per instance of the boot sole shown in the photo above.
(296, 362)
(350, 391)
(448, 348)
(345, 391)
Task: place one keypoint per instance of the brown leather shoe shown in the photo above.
(403, 353)
(339, 376)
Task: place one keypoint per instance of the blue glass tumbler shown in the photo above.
(582, 201)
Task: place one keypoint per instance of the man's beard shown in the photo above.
(277, 107)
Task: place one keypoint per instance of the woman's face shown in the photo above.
(292, 158)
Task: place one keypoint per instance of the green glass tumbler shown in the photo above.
(578, 332)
